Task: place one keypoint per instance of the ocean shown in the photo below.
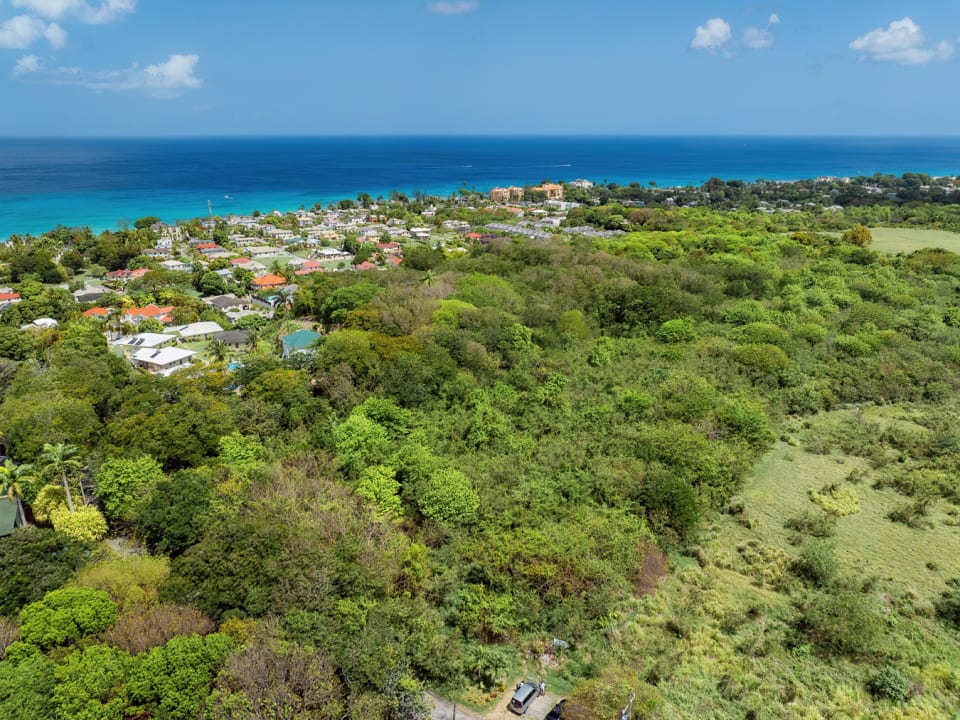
(105, 182)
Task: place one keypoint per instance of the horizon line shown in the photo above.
(490, 136)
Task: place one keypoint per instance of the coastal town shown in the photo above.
(198, 290)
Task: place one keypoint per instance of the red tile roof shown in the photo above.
(150, 311)
(9, 296)
(270, 281)
(97, 312)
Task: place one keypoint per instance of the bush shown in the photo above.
(843, 622)
(889, 683)
(123, 482)
(85, 524)
(948, 605)
(677, 331)
(34, 561)
(836, 500)
(64, 616)
(813, 523)
(816, 563)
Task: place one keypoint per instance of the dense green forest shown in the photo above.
(487, 451)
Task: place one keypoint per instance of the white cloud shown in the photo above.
(757, 38)
(98, 13)
(453, 7)
(167, 79)
(27, 64)
(901, 42)
(716, 34)
(712, 35)
(22, 31)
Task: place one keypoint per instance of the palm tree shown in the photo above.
(11, 477)
(218, 350)
(59, 459)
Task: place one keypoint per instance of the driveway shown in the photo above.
(443, 709)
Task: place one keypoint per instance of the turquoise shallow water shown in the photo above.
(100, 182)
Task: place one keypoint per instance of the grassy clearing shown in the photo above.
(907, 240)
(909, 559)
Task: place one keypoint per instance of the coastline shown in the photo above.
(100, 182)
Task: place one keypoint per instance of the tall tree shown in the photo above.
(11, 484)
(59, 460)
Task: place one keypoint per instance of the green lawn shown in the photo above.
(906, 240)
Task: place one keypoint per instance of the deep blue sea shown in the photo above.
(101, 182)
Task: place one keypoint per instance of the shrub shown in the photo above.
(813, 523)
(889, 683)
(765, 358)
(129, 581)
(816, 563)
(142, 628)
(843, 622)
(85, 524)
(677, 331)
(66, 615)
(34, 561)
(123, 482)
(948, 605)
(836, 500)
(447, 495)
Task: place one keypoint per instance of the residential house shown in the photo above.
(8, 298)
(89, 295)
(137, 315)
(233, 339)
(41, 324)
(420, 233)
(275, 233)
(101, 313)
(333, 254)
(263, 251)
(298, 342)
(581, 184)
(176, 266)
(198, 331)
(162, 361)
(130, 344)
(365, 266)
(229, 302)
(125, 275)
(269, 282)
(389, 248)
(308, 267)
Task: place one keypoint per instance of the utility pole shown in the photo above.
(627, 712)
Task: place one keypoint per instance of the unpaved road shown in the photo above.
(443, 709)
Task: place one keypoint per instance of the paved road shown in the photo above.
(443, 709)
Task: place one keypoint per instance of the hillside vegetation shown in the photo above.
(491, 450)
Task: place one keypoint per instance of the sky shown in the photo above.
(478, 67)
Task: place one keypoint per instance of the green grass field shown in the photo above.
(867, 541)
(907, 240)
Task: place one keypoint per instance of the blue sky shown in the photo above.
(201, 67)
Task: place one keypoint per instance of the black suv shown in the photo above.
(557, 712)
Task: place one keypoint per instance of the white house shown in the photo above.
(131, 344)
(162, 361)
(195, 332)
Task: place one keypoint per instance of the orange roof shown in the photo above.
(270, 281)
(206, 246)
(150, 311)
(240, 261)
(97, 312)
(9, 296)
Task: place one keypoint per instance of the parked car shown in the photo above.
(523, 698)
(557, 712)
